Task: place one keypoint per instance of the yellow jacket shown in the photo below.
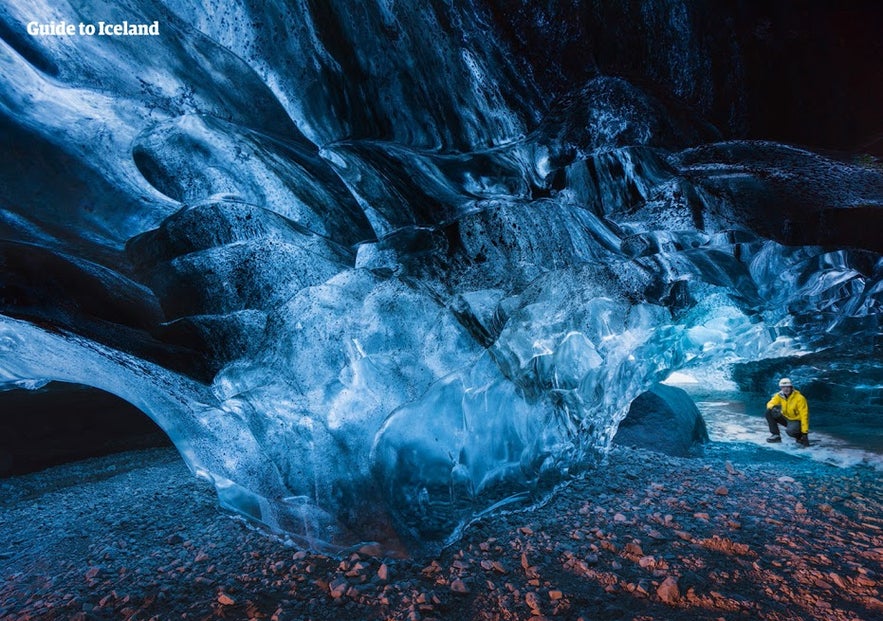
(794, 407)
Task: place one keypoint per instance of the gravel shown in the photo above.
(136, 536)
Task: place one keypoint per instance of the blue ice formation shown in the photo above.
(377, 268)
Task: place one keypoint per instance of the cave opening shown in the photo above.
(63, 422)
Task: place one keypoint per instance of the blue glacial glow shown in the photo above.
(375, 269)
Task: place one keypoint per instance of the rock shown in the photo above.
(225, 600)
(633, 549)
(838, 580)
(668, 591)
(459, 587)
(533, 601)
(337, 588)
(383, 572)
(663, 419)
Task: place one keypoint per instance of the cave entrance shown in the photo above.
(64, 422)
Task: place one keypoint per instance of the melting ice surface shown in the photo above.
(373, 275)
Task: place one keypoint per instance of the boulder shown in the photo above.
(663, 419)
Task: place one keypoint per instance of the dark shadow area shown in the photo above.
(64, 422)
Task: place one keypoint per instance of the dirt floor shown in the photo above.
(136, 536)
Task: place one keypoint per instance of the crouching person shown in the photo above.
(788, 408)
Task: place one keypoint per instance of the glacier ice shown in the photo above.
(377, 269)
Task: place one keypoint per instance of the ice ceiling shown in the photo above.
(376, 268)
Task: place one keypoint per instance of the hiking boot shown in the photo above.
(774, 438)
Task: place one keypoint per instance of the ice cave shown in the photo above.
(377, 268)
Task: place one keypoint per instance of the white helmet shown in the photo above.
(785, 382)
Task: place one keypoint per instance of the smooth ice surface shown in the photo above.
(378, 267)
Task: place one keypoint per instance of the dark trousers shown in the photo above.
(792, 427)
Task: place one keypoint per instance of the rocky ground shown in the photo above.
(136, 536)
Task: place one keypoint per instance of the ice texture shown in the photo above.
(377, 268)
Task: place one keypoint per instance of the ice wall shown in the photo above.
(379, 267)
